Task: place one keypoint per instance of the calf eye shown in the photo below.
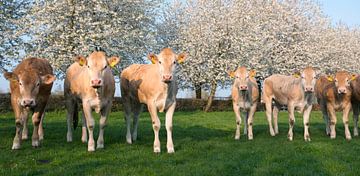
(159, 62)
(88, 66)
(174, 62)
(38, 84)
(105, 67)
(20, 83)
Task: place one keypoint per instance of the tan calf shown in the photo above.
(355, 101)
(30, 86)
(296, 92)
(90, 81)
(154, 85)
(334, 93)
(245, 96)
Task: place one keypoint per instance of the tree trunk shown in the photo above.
(211, 96)
(198, 90)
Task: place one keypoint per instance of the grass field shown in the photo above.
(204, 145)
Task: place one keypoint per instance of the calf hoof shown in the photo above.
(250, 137)
(69, 138)
(91, 148)
(83, 140)
(100, 146)
(237, 137)
(129, 141)
(41, 138)
(276, 131)
(332, 136)
(290, 137)
(24, 137)
(272, 133)
(156, 149)
(35, 144)
(348, 138)
(15, 147)
(170, 150)
(307, 139)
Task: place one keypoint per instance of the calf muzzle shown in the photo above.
(96, 83)
(28, 103)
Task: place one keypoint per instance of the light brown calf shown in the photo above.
(245, 96)
(355, 101)
(334, 93)
(90, 81)
(154, 85)
(30, 86)
(293, 91)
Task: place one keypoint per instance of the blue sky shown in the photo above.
(346, 11)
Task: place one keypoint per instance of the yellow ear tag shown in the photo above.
(153, 60)
(232, 74)
(181, 61)
(81, 62)
(112, 64)
(353, 77)
(329, 78)
(296, 75)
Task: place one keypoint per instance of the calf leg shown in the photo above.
(156, 125)
(19, 122)
(291, 121)
(137, 111)
(306, 118)
(25, 130)
(41, 128)
(275, 117)
(326, 118)
(169, 127)
(127, 111)
(250, 121)
(246, 117)
(356, 118)
(70, 104)
(268, 116)
(36, 119)
(90, 125)
(332, 115)
(103, 118)
(237, 119)
(346, 121)
(83, 128)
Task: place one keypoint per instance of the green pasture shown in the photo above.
(204, 145)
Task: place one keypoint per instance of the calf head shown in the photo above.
(308, 79)
(97, 64)
(342, 81)
(28, 82)
(242, 76)
(166, 62)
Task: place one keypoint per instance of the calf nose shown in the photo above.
(341, 90)
(28, 102)
(96, 82)
(309, 89)
(244, 87)
(167, 77)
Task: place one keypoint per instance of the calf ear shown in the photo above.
(181, 58)
(153, 58)
(10, 76)
(231, 74)
(81, 60)
(330, 78)
(252, 73)
(48, 79)
(113, 61)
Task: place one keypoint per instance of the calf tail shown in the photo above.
(75, 116)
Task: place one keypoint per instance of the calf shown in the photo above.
(154, 85)
(334, 93)
(355, 101)
(294, 92)
(30, 87)
(245, 95)
(90, 81)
